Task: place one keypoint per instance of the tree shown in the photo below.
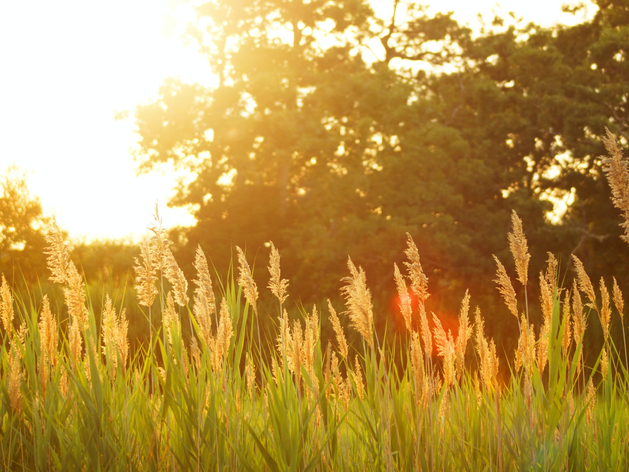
(22, 228)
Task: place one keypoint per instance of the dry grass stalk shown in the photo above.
(358, 301)
(419, 281)
(605, 313)
(338, 330)
(618, 300)
(204, 302)
(295, 360)
(76, 342)
(311, 336)
(585, 285)
(445, 350)
(250, 376)
(145, 278)
(15, 376)
(506, 288)
(567, 328)
(579, 322)
(488, 360)
(284, 339)
(463, 335)
(617, 171)
(590, 401)
(525, 355)
(519, 248)
(245, 280)
(170, 318)
(547, 298)
(358, 378)
(48, 336)
(7, 306)
(225, 328)
(417, 363)
(542, 347)
(404, 300)
(277, 285)
(109, 329)
(551, 270)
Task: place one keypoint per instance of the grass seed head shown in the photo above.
(358, 301)
(7, 305)
(405, 300)
(419, 281)
(585, 285)
(616, 170)
(519, 248)
(277, 285)
(57, 251)
(605, 313)
(506, 288)
(245, 280)
(618, 300)
(145, 275)
(175, 276)
(338, 330)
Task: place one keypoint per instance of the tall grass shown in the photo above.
(74, 399)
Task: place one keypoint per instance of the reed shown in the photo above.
(71, 396)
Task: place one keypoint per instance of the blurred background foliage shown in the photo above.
(312, 140)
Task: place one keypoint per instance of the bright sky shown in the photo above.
(67, 66)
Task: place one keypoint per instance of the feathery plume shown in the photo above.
(245, 280)
(358, 378)
(605, 313)
(445, 350)
(488, 359)
(170, 318)
(250, 376)
(585, 285)
(419, 281)
(75, 297)
(579, 322)
(519, 248)
(463, 334)
(338, 330)
(159, 242)
(425, 330)
(225, 332)
(48, 332)
(604, 363)
(567, 331)
(57, 251)
(617, 172)
(145, 278)
(108, 329)
(122, 341)
(506, 288)
(175, 276)
(277, 285)
(417, 362)
(204, 302)
(358, 301)
(405, 300)
(15, 376)
(7, 305)
(551, 270)
(618, 300)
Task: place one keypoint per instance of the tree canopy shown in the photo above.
(333, 131)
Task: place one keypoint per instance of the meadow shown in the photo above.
(73, 398)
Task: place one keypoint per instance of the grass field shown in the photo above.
(74, 399)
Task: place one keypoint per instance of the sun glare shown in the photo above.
(69, 67)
